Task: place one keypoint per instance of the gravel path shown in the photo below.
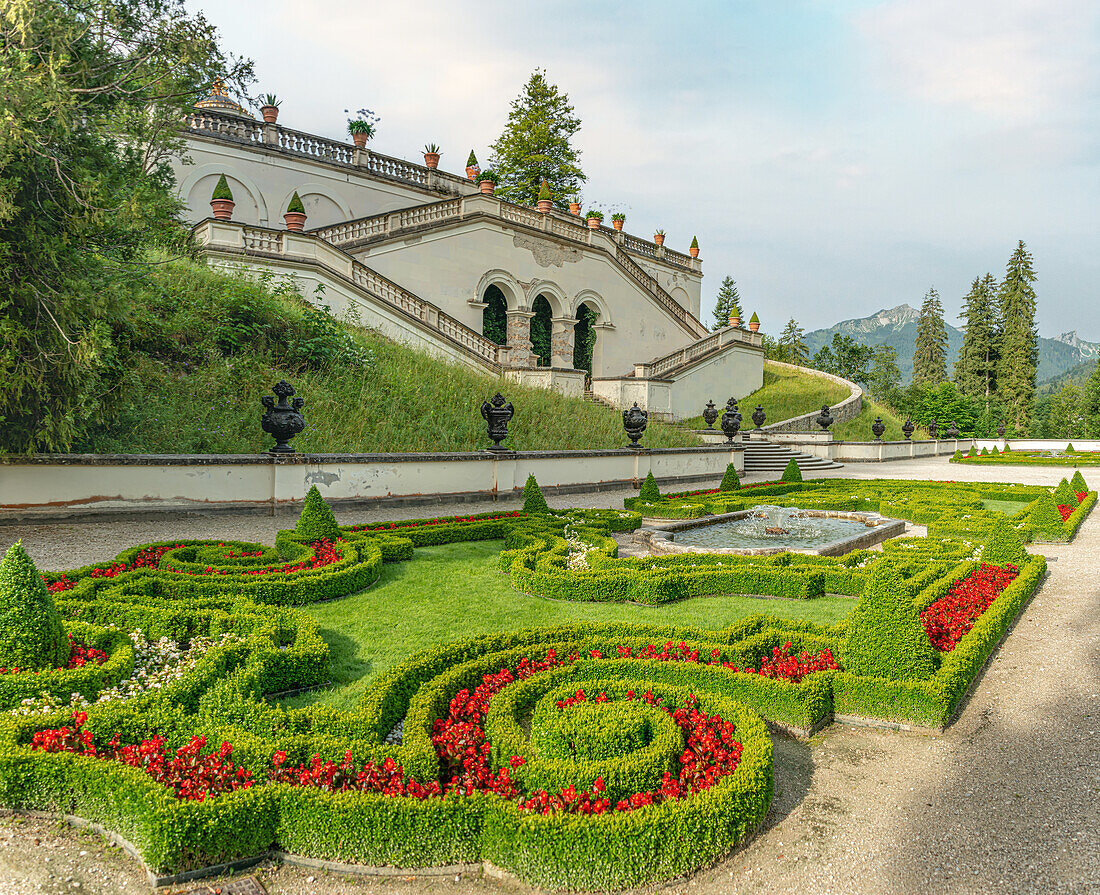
(1006, 800)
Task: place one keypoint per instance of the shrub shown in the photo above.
(973, 452)
(649, 490)
(955, 457)
(754, 318)
(695, 242)
(792, 473)
(1063, 494)
(885, 636)
(533, 501)
(1004, 546)
(222, 191)
(295, 205)
(490, 175)
(730, 481)
(317, 520)
(31, 634)
(1077, 483)
(471, 160)
(544, 192)
(598, 215)
(1007, 448)
(1070, 449)
(994, 452)
(985, 452)
(1045, 520)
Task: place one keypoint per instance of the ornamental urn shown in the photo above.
(731, 420)
(877, 427)
(907, 429)
(283, 420)
(952, 431)
(758, 417)
(634, 421)
(1001, 430)
(934, 430)
(710, 414)
(824, 419)
(497, 412)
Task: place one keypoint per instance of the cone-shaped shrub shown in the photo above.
(533, 501)
(1077, 483)
(985, 452)
(1063, 494)
(1003, 546)
(973, 452)
(1070, 449)
(792, 473)
(650, 491)
(958, 455)
(1045, 520)
(295, 205)
(31, 634)
(885, 635)
(994, 452)
(1007, 449)
(221, 190)
(317, 520)
(730, 481)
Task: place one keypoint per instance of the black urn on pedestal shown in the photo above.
(284, 420)
(933, 429)
(824, 419)
(877, 427)
(758, 417)
(634, 421)
(710, 414)
(907, 429)
(731, 420)
(1001, 430)
(952, 431)
(497, 412)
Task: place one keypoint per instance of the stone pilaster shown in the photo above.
(519, 338)
(561, 342)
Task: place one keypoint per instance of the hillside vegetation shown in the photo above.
(197, 348)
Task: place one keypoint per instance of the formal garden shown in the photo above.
(498, 687)
(1069, 457)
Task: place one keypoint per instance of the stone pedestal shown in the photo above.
(561, 342)
(519, 338)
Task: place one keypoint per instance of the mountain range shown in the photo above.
(897, 327)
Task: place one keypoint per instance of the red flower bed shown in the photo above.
(442, 520)
(952, 616)
(79, 656)
(1066, 510)
(783, 666)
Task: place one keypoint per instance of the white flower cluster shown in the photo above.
(578, 549)
(156, 664)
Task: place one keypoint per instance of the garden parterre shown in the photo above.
(638, 750)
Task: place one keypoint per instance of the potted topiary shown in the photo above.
(694, 250)
(295, 216)
(431, 156)
(575, 205)
(545, 200)
(487, 181)
(659, 237)
(594, 219)
(472, 168)
(221, 200)
(270, 107)
(617, 220)
(754, 322)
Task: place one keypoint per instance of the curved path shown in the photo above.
(1006, 800)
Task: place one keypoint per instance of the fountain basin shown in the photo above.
(764, 530)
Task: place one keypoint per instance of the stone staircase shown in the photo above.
(593, 398)
(769, 460)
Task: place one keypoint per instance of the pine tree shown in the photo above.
(1090, 403)
(792, 343)
(536, 145)
(728, 304)
(1019, 339)
(930, 355)
(976, 368)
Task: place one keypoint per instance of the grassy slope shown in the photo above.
(455, 591)
(783, 395)
(199, 348)
(859, 429)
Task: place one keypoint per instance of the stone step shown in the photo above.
(765, 458)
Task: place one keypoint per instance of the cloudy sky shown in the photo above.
(835, 157)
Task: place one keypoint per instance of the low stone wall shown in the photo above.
(848, 409)
(872, 451)
(67, 485)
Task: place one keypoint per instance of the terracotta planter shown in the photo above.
(295, 221)
(694, 253)
(618, 225)
(659, 238)
(544, 205)
(735, 320)
(360, 140)
(755, 327)
(575, 208)
(270, 113)
(472, 171)
(431, 160)
(222, 209)
(593, 223)
(487, 187)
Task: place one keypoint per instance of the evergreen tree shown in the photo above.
(1066, 413)
(1019, 340)
(728, 304)
(792, 343)
(884, 376)
(930, 355)
(976, 368)
(1090, 403)
(536, 145)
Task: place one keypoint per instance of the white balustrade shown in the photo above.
(259, 240)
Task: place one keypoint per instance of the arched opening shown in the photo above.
(541, 328)
(494, 317)
(584, 339)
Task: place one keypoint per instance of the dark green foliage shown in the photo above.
(471, 160)
(544, 192)
(694, 242)
(730, 481)
(930, 352)
(1077, 483)
(31, 633)
(976, 368)
(994, 452)
(295, 205)
(584, 337)
(1045, 521)
(1004, 545)
(221, 190)
(728, 304)
(885, 635)
(958, 455)
(533, 500)
(649, 490)
(494, 316)
(754, 318)
(317, 519)
(1070, 449)
(791, 344)
(846, 358)
(792, 473)
(985, 452)
(1063, 494)
(1019, 357)
(542, 328)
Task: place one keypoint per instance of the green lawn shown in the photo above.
(1009, 507)
(456, 591)
(859, 429)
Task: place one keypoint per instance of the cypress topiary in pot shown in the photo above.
(221, 200)
(295, 215)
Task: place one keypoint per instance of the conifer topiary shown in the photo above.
(1007, 448)
(533, 500)
(956, 457)
(295, 205)
(649, 491)
(221, 190)
(31, 634)
(885, 636)
(1063, 494)
(1077, 483)
(1004, 545)
(1045, 520)
(1070, 449)
(985, 452)
(994, 452)
(317, 520)
(973, 452)
(792, 473)
(730, 481)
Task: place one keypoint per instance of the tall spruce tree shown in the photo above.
(536, 145)
(1019, 357)
(1090, 403)
(728, 304)
(792, 343)
(930, 354)
(976, 368)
